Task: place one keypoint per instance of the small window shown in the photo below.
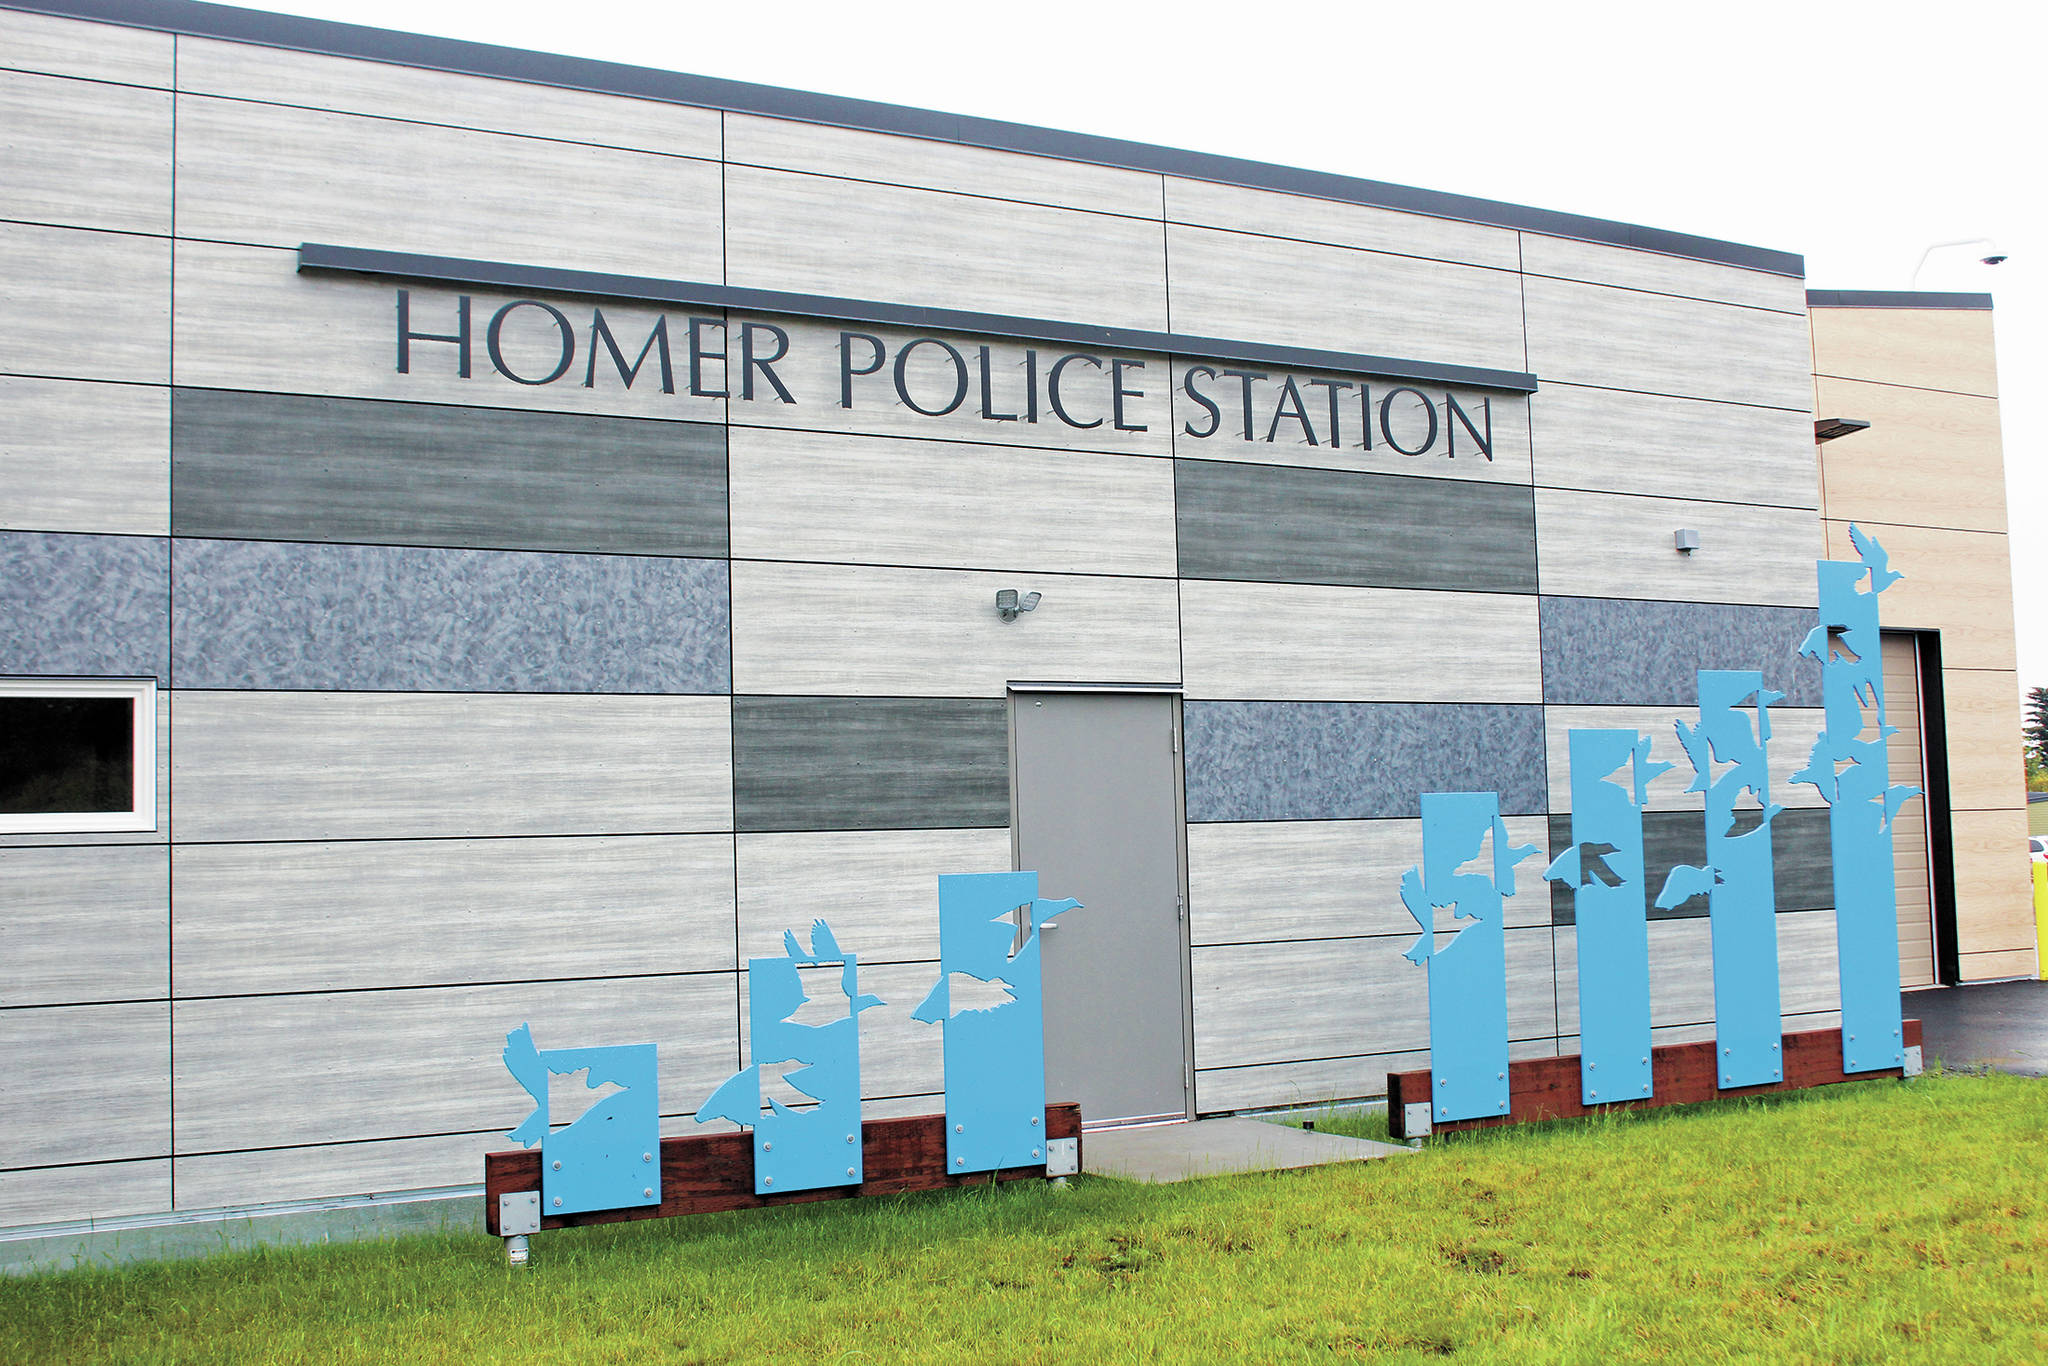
(77, 756)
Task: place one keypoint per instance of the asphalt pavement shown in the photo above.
(1999, 1025)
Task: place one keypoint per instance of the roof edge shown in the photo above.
(1895, 298)
(332, 38)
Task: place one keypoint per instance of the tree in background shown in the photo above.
(2036, 732)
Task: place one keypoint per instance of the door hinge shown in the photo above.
(1187, 1078)
(1180, 908)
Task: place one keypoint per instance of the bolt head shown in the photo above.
(558, 1166)
(767, 1180)
(1593, 1066)
(1034, 1152)
(849, 1171)
(558, 1202)
(959, 1161)
(1500, 1076)
(647, 1157)
(1646, 1062)
(767, 1147)
(849, 1138)
(648, 1192)
(1034, 1121)
(959, 1128)
(1595, 1094)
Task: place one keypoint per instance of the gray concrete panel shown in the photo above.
(1280, 524)
(259, 614)
(1626, 652)
(1275, 761)
(84, 605)
(1802, 860)
(861, 763)
(293, 468)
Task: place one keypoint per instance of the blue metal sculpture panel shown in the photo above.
(815, 1145)
(1468, 977)
(1604, 868)
(608, 1158)
(1737, 879)
(1849, 767)
(995, 1055)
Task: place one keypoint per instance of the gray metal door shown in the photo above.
(1099, 819)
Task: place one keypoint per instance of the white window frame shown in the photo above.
(141, 816)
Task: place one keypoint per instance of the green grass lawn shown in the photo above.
(1868, 1223)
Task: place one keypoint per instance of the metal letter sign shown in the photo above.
(1611, 774)
(819, 1144)
(1737, 879)
(1468, 977)
(995, 1052)
(1850, 770)
(606, 1159)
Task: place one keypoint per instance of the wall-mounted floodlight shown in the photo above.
(1828, 428)
(1008, 605)
(1685, 540)
(1990, 254)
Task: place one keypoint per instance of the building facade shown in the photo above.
(490, 538)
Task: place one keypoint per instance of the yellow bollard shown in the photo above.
(2041, 919)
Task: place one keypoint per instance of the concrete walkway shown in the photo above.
(2001, 1025)
(1218, 1147)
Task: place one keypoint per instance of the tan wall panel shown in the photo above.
(866, 500)
(265, 174)
(85, 924)
(888, 159)
(1598, 263)
(84, 305)
(1624, 339)
(1984, 739)
(1228, 284)
(1987, 967)
(85, 155)
(387, 913)
(103, 1190)
(1610, 441)
(1927, 348)
(822, 236)
(85, 1083)
(1929, 459)
(1236, 208)
(1793, 732)
(1610, 545)
(283, 766)
(391, 1064)
(1994, 881)
(245, 71)
(248, 320)
(88, 457)
(1266, 881)
(1957, 582)
(877, 888)
(842, 631)
(1312, 642)
(70, 47)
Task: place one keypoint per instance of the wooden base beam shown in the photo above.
(1681, 1074)
(710, 1172)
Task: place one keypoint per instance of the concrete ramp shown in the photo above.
(1218, 1147)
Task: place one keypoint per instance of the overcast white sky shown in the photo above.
(1855, 134)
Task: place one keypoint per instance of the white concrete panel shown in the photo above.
(844, 631)
(73, 47)
(1809, 968)
(277, 76)
(100, 1190)
(395, 1064)
(277, 176)
(77, 456)
(818, 235)
(888, 159)
(85, 1083)
(1271, 1085)
(248, 320)
(877, 888)
(1616, 545)
(1313, 642)
(324, 1170)
(1263, 881)
(1228, 284)
(1612, 441)
(1656, 343)
(1599, 263)
(85, 923)
(942, 504)
(84, 305)
(386, 913)
(85, 155)
(313, 766)
(899, 1056)
(1271, 213)
(838, 382)
(1793, 732)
